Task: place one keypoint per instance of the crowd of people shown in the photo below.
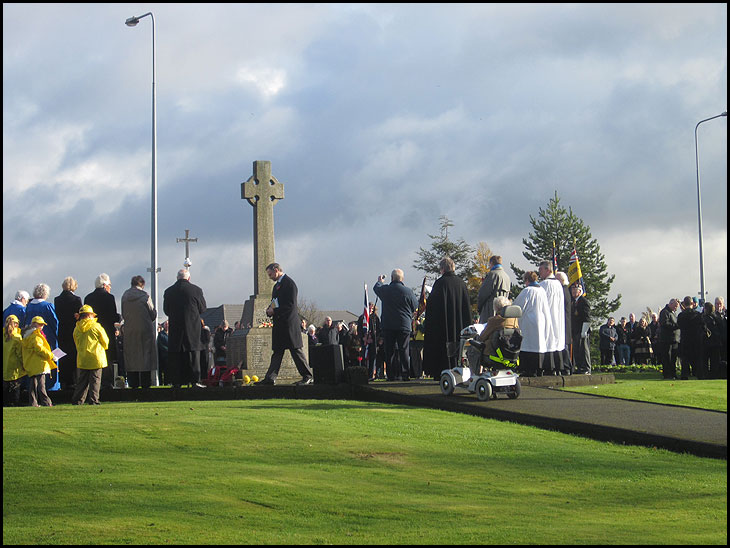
(78, 346)
(694, 338)
(68, 344)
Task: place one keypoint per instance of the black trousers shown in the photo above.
(300, 360)
(183, 367)
(607, 356)
(397, 341)
(669, 353)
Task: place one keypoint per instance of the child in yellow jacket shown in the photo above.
(91, 344)
(12, 361)
(38, 361)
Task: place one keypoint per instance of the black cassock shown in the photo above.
(448, 311)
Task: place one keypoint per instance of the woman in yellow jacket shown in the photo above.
(12, 361)
(91, 344)
(38, 361)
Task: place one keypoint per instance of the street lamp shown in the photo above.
(132, 22)
(699, 206)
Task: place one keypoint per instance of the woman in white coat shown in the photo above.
(140, 334)
(535, 325)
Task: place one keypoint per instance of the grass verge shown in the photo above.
(704, 394)
(342, 472)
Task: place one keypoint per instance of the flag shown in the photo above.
(366, 314)
(555, 259)
(574, 273)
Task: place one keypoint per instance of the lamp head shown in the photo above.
(132, 21)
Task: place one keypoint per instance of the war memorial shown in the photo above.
(250, 347)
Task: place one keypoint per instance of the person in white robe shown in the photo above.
(535, 324)
(556, 301)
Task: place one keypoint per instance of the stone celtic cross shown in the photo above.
(262, 191)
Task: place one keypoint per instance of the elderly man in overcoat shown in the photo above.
(399, 304)
(183, 302)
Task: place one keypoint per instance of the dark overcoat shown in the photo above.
(448, 311)
(183, 302)
(67, 304)
(287, 330)
(581, 313)
(105, 308)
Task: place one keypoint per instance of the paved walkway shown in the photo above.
(680, 429)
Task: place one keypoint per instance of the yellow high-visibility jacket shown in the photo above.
(91, 344)
(37, 355)
(13, 357)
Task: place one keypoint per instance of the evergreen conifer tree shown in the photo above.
(557, 226)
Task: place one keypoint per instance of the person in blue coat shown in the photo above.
(399, 304)
(40, 306)
(17, 307)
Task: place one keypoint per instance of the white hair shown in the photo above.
(41, 291)
(183, 274)
(500, 302)
(20, 295)
(562, 277)
(102, 280)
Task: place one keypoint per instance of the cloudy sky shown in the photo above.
(378, 119)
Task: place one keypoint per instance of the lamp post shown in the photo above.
(699, 205)
(132, 22)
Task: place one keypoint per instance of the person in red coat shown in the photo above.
(286, 333)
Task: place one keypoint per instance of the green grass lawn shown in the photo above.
(705, 394)
(342, 472)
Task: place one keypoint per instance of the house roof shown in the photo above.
(213, 317)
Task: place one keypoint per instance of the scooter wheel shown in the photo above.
(447, 384)
(516, 392)
(483, 389)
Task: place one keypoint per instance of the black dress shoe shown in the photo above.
(308, 380)
(265, 382)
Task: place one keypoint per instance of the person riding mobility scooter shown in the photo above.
(487, 363)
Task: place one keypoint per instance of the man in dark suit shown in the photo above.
(399, 304)
(183, 302)
(286, 333)
(105, 307)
